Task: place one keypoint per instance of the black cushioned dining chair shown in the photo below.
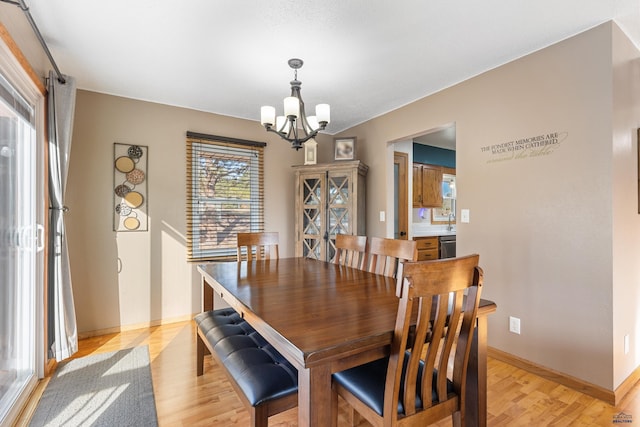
(411, 387)
(351, 251)
(385, 256)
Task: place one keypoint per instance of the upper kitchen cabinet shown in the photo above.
(427, 186)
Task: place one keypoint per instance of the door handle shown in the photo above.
(39, 237)
(403, 233)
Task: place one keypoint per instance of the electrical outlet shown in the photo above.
(626, 344)
(514, 325)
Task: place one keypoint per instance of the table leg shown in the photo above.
(207, 296)
(202, 350)
(476, 395)
(314, 397)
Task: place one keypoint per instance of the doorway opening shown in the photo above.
(437, 147)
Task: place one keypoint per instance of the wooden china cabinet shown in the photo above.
(330, 200)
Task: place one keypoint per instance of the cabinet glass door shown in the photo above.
(339, 208)
(312, 210)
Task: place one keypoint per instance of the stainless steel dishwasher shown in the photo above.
(448, 246)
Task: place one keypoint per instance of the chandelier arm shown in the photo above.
(295, 141)
(271, 129)
(293, 128)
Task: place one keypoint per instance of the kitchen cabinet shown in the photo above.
(427, 186)
(330, 200)
(428, 248)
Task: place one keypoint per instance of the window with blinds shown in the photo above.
(225, 194)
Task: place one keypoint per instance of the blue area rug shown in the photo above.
(108, 389)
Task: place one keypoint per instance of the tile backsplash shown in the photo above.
(421, 216)
(421, 222)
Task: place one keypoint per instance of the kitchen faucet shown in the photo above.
(451, 215)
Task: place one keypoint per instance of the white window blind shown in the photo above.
(225, 194)
(17, 103)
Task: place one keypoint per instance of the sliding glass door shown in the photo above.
(20, 249)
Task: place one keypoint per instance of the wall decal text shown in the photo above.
(523, 148)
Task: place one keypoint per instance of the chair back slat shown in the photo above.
(350, 251)
(438, 308)
(264, 243)
(386, 256)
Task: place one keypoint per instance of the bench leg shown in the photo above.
(202, 350)
(259, 416)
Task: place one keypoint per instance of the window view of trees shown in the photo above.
(225, 193)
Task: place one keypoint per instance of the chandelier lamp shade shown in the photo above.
(294, 126)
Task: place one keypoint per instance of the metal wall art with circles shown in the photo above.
(130, 204)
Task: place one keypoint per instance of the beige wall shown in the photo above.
(131, 278)
(543, 225)
(16, 23)
(626, 243)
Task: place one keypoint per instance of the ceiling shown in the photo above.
(363, 57)
(444, 137)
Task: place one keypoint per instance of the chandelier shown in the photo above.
(295, 126)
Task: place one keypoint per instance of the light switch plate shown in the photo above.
(514, 325)
(464, 215)
(382, 216)
(626, 344)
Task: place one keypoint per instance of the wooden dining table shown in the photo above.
(325, 318)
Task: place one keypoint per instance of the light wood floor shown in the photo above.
(515, 397)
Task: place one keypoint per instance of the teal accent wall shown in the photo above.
(434, 155)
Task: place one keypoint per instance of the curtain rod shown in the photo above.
(21, 4)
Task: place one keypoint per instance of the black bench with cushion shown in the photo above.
(265, 381)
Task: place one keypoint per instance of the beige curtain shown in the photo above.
(62, 330)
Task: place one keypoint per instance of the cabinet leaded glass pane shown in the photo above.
(312, 192)
(339, 221)
(338, 190)
(311, 221)
(311, 248)
(312, 218)
(339, 200)
(331, 248)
